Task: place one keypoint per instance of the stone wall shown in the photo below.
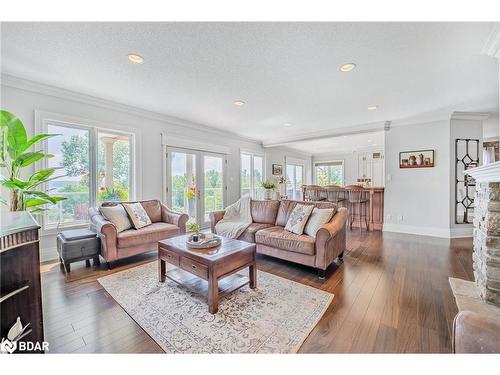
(486, 254)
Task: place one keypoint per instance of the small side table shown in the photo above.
(76, 245)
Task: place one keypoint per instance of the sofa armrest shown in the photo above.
(106, 231)
(215, 217)
(331, 239)
(473, 333)
(175, 218)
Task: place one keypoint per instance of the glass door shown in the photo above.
(294, 181)
(213, 186)
(195, 183)
(182, 190)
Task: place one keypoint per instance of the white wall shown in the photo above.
(24, 97)
(418, 200)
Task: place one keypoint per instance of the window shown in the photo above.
(86, 179)
(252, 175)
(294, 181)
(329, 173)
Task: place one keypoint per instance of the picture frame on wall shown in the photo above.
(416, 159)
(277, 169)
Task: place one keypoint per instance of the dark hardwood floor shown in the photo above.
(391, 296)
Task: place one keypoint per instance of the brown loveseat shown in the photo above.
(114, 246)
(268, 233)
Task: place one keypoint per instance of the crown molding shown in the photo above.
(57, 92)
(469, 116)
(492, 45)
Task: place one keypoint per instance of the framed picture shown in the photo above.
(416, 159)
(277, 169)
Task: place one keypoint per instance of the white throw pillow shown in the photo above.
(118, 216)
(298, 218)
(137, 215)
(319, 217)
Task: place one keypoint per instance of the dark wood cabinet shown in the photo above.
(20, 289)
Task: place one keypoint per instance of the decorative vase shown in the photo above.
(268, 194)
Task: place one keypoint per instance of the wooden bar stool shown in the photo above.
(336, 194)
(358, 198)
(314, 193)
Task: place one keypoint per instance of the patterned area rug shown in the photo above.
(274, 318)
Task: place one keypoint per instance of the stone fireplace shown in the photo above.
(486, 254)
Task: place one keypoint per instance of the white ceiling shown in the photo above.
(285, 72)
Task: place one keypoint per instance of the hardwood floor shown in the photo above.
(391, 296)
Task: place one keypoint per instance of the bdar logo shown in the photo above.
(8, 346)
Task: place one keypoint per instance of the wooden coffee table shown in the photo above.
(208, 272)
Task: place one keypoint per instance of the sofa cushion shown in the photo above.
(153, 209)
(298, 218)
(118, 216)
(279, 238)
(137, 214)
(318, 218)
(249, 233)
(264, 212)
(287, 206)
(152, 233)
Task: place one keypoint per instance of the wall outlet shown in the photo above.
(400, 217)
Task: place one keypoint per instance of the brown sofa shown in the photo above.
(268, 233)
(473, 333)
(114, 246)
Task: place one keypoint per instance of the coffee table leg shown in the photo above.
(213, 294)
(252, 270)
(161, 270)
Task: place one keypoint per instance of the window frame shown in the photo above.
(295, 165)
(42, 121)
(252, 155)
(319, 163)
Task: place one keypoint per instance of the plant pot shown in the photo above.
(268, 194)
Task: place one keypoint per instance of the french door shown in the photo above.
(195, 183)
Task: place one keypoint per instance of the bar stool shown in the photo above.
(314, 193)
(336, 194)
(358, 201)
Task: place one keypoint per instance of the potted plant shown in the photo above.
(268, 189)
(195, 228)
(15, 155)
(191, 200)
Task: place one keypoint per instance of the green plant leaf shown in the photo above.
(38, 138)
(29, 158)
(32, 202)
(42, 175)
(5, 118)
(42, 195)
(14, 183)
(16, 136)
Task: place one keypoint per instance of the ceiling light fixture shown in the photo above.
(347, 67)
(136, 59)
(287, 124)
(372, 107)
(239, 103)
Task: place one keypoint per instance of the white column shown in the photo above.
(108, 161)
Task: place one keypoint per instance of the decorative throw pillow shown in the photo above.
(137, 215)
(319, 217)
(298, 218)
(118, 216)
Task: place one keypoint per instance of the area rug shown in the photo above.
(276, 317)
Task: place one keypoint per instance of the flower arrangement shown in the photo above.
(268, 185)
(193, 227)
(191, 193)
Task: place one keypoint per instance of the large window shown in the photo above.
(252, 175)
(95, 165)
(329, 173)
(294, 181)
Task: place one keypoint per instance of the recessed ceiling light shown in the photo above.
(136, 59)
(372, 107)
(239, 103)
(287, 124)
(347, 67)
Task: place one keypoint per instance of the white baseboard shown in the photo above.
(430, 231)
